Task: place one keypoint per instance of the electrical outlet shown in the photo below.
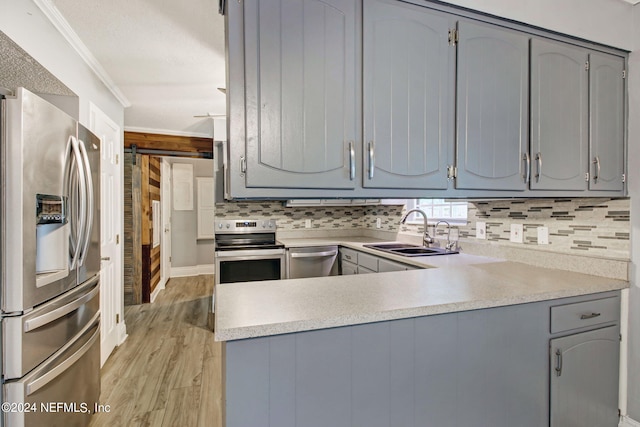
(378, 222)
(481, 230)
(307, 223)
(517, 230)
(543, 235)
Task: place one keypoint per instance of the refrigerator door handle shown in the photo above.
(88, 200)
(51, 375)
(51, 316)
(78, 161)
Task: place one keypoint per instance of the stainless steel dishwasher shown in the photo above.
(316, 261)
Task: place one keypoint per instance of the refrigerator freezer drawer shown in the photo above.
(30, 339)
(63, 391)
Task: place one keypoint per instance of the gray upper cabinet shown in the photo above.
(606, 97)
(408, 95)
(301, 76)
(492, 107)
(559, 116)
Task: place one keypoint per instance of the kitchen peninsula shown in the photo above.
(464, 344)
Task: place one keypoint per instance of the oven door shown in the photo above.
(249, 265)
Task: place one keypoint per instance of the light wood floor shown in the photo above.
(168, 371)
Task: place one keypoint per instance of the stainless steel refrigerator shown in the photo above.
(50, 218)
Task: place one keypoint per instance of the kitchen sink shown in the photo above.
(409, 250)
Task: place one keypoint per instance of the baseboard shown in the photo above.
(192, 270)
(157, 290)
(628, 422)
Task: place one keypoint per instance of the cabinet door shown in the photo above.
(559, 116)
(408, 96)
(301, 66)
(347, 268)
(584, 379)
(606, 96)
(492, 107)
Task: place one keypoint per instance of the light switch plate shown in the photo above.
(378, 222)
(307, 223)
(481, 230)
(543, 235)
(517, 230)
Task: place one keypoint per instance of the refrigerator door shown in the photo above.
(89, 261)
(63, 390)
(37, 151)
(31, 338)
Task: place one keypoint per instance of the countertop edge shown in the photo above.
(246, 332)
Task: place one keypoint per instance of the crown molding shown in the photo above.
(167, 132)
(60, 23)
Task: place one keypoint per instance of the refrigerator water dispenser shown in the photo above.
(52, 235)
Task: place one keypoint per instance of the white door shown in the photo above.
(165, 261)
(111, 209)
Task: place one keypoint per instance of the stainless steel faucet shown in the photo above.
(449, 246)
(426, 239)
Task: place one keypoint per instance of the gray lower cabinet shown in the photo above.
(356, 262)
(408, 95)
(492, 107)
(606, 142)
(348, 268)
(559, 116)
(301, 93)
(584, 379)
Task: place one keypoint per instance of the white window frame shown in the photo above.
(417, 218)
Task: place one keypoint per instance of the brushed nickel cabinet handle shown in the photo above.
(589, 316)
(352, 161)
(596, 161)
(539, 161)
(527, 173)
(558, 362)
(372, 159)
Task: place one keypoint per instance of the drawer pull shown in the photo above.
(589, 316)
(347, 256)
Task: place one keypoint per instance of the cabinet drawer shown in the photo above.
(367, 261)
(349, 255)
(363, 270)
(583, 314)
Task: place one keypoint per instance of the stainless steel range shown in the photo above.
(247, 250)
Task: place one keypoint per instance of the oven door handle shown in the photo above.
(260, 253)
(312, 254)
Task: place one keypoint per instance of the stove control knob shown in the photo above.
(220, 226)
(228, 225)
(270, 224)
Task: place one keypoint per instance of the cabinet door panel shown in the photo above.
(588, 364)
(492, 107)
(559, 116)
(408, 95)
(301, 67)
(606, 95)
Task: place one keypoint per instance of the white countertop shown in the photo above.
(459, 283)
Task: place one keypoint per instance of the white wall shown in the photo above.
(633, 402)
(26, 25)
(186, 249)
(603, 21)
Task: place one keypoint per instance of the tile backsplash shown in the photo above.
(293, 218)
(591, 227)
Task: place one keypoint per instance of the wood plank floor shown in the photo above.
(168, 371)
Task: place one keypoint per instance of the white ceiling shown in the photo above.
(165, 56)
